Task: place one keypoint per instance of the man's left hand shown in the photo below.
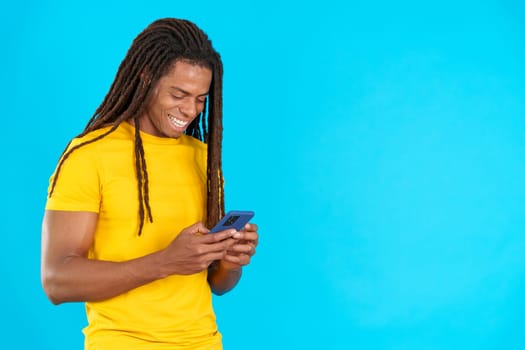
(241, 252)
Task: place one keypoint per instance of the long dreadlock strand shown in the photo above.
(215, 202)
(142, 178)
(140, 181)
(204, 129)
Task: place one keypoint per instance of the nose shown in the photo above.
(189, 108)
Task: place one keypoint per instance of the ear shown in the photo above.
(145, 77)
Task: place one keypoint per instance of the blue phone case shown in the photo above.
(233, 219)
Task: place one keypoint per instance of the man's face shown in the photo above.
(177, 100)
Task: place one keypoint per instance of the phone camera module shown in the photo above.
(231, 220)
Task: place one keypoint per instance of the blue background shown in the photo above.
(381, 145)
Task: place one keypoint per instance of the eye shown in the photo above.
(177, 97)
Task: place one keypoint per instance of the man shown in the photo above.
(132, 198)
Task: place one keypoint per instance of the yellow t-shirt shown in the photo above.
(172, 313)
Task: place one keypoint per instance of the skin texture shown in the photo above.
(68, 275)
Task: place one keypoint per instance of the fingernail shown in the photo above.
(237, 235)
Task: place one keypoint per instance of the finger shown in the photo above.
(251, 236)
(211, 257)
(220, 247)
(243, 248)
(216, 237)
(241, 259)
(227, 230)
(251, 227)
(234, 259)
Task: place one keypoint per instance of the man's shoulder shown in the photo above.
(103, 136)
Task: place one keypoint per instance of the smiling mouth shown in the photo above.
(177, 122)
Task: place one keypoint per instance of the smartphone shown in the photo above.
(233, 219)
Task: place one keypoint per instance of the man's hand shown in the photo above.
(225, 273)
(244, 247)
(193, 250)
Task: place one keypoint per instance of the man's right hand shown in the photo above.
(193, 250)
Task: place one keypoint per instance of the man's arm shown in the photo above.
(68, 275)
(223, 275)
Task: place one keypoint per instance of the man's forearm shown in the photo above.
(77, 278)
(223, 276)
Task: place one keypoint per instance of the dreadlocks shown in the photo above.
(149, 58)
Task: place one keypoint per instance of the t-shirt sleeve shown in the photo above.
(78, 184)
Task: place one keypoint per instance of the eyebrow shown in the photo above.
(187, 92)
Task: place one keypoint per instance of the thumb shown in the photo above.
(197, 228)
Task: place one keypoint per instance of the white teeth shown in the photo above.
(177, 122)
